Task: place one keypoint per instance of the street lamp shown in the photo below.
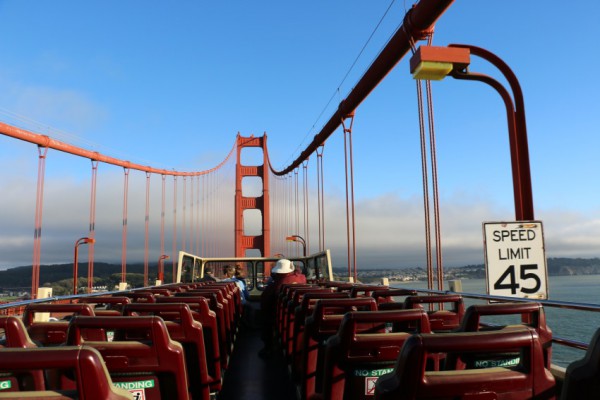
(435, 63)
(161, 267)
(83, 240)
(299, 239)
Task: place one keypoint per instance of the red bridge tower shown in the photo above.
(261, 203)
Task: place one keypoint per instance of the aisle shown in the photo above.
(251, 378)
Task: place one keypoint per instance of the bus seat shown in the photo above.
(203, 314)
(386, 295)
(83, 363)
(582, 379)
(322, 324)
(157, 364)
(441, 320)
(366, 346)
(52, 333)
(361, 290)
(113, 304)
(184, 329)
(532, 315)
(529, 379)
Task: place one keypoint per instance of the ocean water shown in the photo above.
(569, 324)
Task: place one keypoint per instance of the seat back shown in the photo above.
(157, 364)
(365, 290)
(52, 333)
(441, 320)
(366, 346)
(529, 379)
(532, 315)
(300, 314)
(113, 304)
(16, 336)
(184, 329)
(322, 324)
(387, 295)
(140, 296)
(84, 364)
(583, 376)
(203, 314)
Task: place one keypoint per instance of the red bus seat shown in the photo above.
(52, 333)
(322, 324)
(156, 364)
(203, 314)
(440, 320)
(386, 295)
(225, 343)
(527, 380)
(183, 328)
(361, 290)
(582, 379)
(289, 316)
(140, 297)
(366, 346)
(84, 364)
(300, 314)
(113, 304)
(16, 336)
(532, 315)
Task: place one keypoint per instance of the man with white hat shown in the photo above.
(283, 272)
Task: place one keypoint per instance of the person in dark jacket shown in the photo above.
(283, 272)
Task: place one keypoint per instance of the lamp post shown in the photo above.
(299, 239)
(437, 62)
(161, 268)
(80, 241)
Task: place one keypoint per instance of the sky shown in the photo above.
(170, 84)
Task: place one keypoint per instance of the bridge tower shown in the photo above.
(261, 203)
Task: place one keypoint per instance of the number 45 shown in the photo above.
(513, 285)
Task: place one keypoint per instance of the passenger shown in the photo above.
(208, 275)
(229, 273)
(240, 276)
(283, 272)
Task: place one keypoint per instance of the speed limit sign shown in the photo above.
(515, 259)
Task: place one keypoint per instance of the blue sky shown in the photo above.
(170, 84)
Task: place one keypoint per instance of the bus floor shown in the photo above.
(250, 377)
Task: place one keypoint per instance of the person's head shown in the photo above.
(238, 271)
(229, 271)
(208, 271)
(283, 266)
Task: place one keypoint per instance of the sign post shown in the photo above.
(515, 259)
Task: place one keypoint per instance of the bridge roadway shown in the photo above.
(249, 377)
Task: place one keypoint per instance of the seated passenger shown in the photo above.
(230, 276)
(283, 272)
(208, 275)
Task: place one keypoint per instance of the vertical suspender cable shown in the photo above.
(37, 232)
(320, 199)
(174, 256)
(197, 252)
(191, 248)
(297, 205)
(183, 203)
(146, 229)
(124, 235)
(434, 182)
(162, 218)
(204, 216)
(92, 234)
(350, 220)
(305, 190)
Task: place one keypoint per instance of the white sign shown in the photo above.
(515, 259)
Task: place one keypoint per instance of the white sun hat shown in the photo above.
(283, 266)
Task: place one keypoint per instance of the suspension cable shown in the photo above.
(37, 232)
(124, 234)
(305, 190)
(350, 220)
(92, 234)
(147, 230)
(162, 217)
(320, 197)
(174, 257)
